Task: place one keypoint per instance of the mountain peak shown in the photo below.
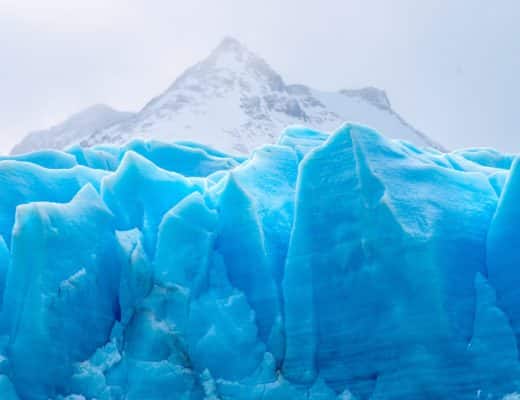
(92, 111)
(232, 54)
(232, 100)
(230, 44)
(371, 94)
(74, 128)
(229, 64)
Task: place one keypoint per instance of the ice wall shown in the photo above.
(341, 267)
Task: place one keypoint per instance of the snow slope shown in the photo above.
(73, 129)
(320, 268)
(234, 101)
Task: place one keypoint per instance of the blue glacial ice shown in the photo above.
(323, 267)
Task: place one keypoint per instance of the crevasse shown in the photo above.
(323, 267)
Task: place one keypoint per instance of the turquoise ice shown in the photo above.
(324, 267)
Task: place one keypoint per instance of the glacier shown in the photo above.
(322, 267)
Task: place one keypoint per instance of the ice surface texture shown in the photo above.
(341, 267)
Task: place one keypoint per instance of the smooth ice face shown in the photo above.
(323, 267)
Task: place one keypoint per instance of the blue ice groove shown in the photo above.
(323, 267)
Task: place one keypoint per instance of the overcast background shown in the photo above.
(450, 68)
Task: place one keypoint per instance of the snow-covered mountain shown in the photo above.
(233, 100)
(77, 127)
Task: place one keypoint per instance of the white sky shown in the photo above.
(450, 67)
